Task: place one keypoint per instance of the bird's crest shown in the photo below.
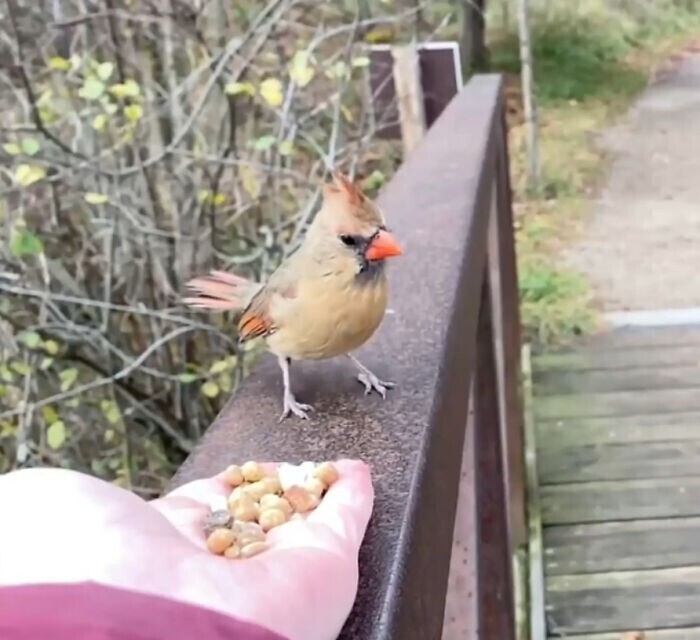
(343, 190)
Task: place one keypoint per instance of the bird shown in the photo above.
(326, 299)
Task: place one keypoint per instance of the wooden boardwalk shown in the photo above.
(617, 424)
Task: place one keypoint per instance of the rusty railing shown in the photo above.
(451, 342)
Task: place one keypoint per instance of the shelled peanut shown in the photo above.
(260, 501)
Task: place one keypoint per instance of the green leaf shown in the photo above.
(27, 174)
(21, 367)
(12, 148)
(45, 363)
(219, 366)
(51, 347)
(30, 338)
(236, 88)
(30, 146)
(133, 112)
(225, 382)
(104, 70)
(109, 435)
(95, 198)
(56, 434)
(187, 377)
(6, 374)
(272, 92)
(50, 414)
(59, 63)
(111, 411)
(210, 389)
(92, 89)
(25, 243)
(265, 143)
(127, 89)
(68, 378)
(99, 122)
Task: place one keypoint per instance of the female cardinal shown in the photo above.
(325, 299)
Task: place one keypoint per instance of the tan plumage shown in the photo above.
(327, 299)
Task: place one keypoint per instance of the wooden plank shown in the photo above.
(625, 600)
(551, 382)
(622, 546)
(610, 359)
(619, 461)
(636, 428)
(634, 337)
(617, 403)
(584, 502)
(685, 633)
(538, 627)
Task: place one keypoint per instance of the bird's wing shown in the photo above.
(257, 319)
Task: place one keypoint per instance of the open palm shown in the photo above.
(61, 526)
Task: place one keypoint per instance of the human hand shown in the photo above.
(61, 526)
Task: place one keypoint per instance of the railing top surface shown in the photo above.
(437, 205)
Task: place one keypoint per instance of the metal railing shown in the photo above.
(451, 342)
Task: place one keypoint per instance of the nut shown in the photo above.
(257, 489)
(273, 484)
(253, 549)
(243, 507)
(271, 501)
(220, 519)
(300, 499)
(234, 551)
(315, 487)
(271, 518)
(252, 471)
(326, 473)
(233, 475)
(219, 540)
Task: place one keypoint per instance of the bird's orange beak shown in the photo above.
(383, 245)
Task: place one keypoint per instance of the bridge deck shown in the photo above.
(618, 456)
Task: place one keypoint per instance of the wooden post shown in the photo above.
(409, 95)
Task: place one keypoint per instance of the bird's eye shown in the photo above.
(348, 241)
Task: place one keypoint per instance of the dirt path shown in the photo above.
(641, 245)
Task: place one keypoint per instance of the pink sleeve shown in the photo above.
(91, 611)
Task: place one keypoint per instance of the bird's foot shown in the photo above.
(297, 408)
(372, 383)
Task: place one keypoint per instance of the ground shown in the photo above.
(640, 247)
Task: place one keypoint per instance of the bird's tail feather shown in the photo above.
(220, 291)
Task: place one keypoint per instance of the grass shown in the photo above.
(590, 62)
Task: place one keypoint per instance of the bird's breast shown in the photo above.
(329, 317)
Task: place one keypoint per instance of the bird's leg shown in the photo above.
(290, 403)
(371, 382)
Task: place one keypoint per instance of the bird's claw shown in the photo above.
(299, 409)
(372, 383)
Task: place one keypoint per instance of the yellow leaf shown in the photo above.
(360, 61)
(219, 366)
(95, 198)
(56, 434)
(104, 70)
(210, 389)
(99, 122)
(128, 89)
(271, 91)
(11, 148)
(133, 112)
(347, 113)
(300, 70)
(286, 148)
(235, 88)
(250, 181)
(59, 63)
(27, 174)
(51, 347)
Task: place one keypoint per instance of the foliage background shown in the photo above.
(144, 141)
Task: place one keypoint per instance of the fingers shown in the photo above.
(347, 505)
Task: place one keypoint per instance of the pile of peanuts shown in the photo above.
(261, 501)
